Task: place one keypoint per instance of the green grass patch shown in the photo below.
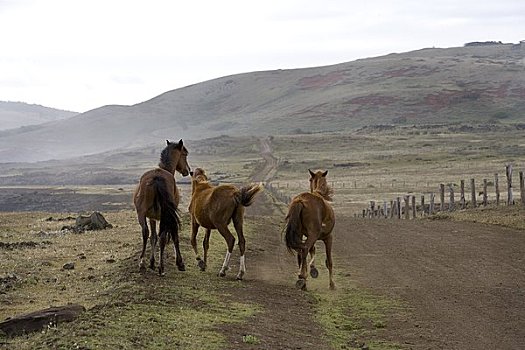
(352, 317)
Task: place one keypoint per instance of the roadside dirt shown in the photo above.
(287, 317)
(268, 170)
(460, 285)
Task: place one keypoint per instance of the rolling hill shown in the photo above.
(18, 114)
(475, 83)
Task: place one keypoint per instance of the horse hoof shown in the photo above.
(222, 274)
(332, 286)
(300, 284)
(152, 266)
(240, 276)
(181, 267)
(202, 265)
(314, 272)
(162, 273)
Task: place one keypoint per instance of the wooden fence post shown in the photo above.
(442, 196)
(522, 188)
(385, 209)
(451, 205)
(407, 207)
(462, 199)
(413, 207)
(485, 197)
(398, 205)
(422, 205)
(496, 184)
(508, 169)
(391, 209)
(431, 205)
(473, 193)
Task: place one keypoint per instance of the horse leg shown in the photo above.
(230, 241)
(313, 271)
(176, 248)
(301, 282)
(145, 235)
(193, 240)
(153, 227)
(205, 247)
(328, 246)
(237, 223)
(163, 239)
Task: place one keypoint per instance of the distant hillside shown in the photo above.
(17, 114)
(476, 84)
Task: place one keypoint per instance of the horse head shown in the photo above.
(199, 175)
(174, 158)
(319, 184)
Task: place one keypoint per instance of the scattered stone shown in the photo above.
(81, 256)
(37, 320)
(69, 266)
(67, 218)
(110, 260)
(17, 245)
(95, 221)
(8, 280)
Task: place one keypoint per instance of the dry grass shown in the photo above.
(126, 309)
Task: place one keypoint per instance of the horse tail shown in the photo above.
(247, 194)
(293, 236)
(169, 215)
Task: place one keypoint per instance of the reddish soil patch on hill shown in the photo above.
(412, 71)
(319, 81)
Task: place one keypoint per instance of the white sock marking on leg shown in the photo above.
(226, 261)
(242, 266)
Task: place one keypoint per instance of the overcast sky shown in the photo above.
(82, 54)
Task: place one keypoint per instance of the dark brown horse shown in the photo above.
(214, 207)
(311, 215)
(157, 198)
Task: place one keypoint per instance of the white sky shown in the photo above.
(83, 54)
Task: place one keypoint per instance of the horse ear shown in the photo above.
(180, 144)
(325, 173)
(311, 173)
(168, 142)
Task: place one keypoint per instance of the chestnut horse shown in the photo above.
(310, 214)
(214, 207)
(157, 198)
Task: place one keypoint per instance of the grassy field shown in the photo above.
(126, 309)
(383, 165)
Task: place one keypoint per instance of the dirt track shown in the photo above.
(462, 285)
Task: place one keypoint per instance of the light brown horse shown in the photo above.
(310, 214)
(214, 207)
(157, 198)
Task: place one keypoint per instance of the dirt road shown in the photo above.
(462, 284)
(270, 162)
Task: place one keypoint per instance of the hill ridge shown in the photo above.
(469, 84)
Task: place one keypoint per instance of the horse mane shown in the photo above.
(325, 191)
(165, 159)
